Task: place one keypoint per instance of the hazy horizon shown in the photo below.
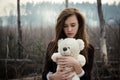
(5, 6)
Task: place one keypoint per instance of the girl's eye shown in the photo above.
(65, 26)
(73, 25)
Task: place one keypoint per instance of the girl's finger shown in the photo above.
(67, 75)
(60, 69)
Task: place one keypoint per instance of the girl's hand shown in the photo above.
(67, 61)
(70, 61)
(68, 74)
(62, 75)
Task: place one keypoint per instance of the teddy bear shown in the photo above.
(70, 47)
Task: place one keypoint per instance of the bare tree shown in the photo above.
(66, 3)
(1, 35)
(20, 49)
(103, 48)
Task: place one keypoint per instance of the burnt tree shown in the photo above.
(20, 48)
(103, 48)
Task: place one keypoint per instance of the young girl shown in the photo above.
(70, 24)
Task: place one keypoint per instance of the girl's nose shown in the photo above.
(69, 28)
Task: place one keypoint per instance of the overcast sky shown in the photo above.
(5, 4)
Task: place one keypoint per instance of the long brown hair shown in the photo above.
(81, 34)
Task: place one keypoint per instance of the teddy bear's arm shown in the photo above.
(55, 56)
(81, 59)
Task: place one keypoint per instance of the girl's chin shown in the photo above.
(70, 36)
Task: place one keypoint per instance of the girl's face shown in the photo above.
(71, 26)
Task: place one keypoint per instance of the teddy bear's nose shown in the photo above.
(64, 49)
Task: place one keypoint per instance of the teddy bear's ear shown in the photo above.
(81, 43)
(59, 41)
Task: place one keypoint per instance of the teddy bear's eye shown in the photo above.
(68, 47)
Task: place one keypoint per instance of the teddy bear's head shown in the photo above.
(70, 46)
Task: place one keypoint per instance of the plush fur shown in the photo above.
(70, 47)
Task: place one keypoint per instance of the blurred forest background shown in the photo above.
(23, 58)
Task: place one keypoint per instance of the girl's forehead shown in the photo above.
(71, 19)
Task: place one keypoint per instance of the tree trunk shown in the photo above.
(66, 3)
(1, 35)
(20, 48)
(103, 48)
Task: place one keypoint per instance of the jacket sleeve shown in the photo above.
(88, 66)
(47, 63)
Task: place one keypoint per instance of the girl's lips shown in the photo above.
(70, 33)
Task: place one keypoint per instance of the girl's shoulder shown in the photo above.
(51, 43)
(91, 47)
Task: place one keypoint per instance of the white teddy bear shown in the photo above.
(70, 47)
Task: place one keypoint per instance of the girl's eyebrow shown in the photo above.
(70, 23)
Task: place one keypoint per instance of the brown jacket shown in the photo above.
(50, 66)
